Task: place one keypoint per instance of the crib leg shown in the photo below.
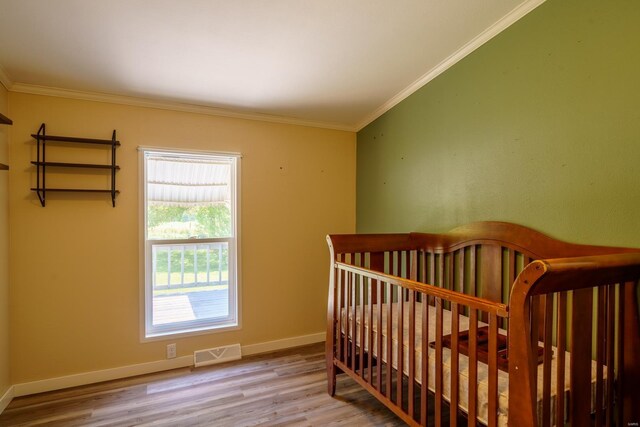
(331, 380)
(331, 368)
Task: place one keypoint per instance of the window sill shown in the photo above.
(189, 333)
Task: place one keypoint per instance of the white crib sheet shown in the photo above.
(463, 364)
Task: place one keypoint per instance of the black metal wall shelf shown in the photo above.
(42, 140)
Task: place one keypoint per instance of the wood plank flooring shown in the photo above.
(277, 389)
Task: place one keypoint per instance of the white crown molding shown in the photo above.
(170, 105)
(4, 79)
(495, 29)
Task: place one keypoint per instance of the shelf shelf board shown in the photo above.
(76, 165)
(76, 140)
(4, 167)
(4, 120)
(74, 190)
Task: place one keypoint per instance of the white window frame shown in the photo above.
(148, 332)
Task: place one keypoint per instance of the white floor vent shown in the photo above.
(211, 356)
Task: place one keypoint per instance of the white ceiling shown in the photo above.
(332, 63)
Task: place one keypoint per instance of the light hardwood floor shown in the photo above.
(282, 388)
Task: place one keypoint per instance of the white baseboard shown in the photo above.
(85, 378)
(268, 346)
(6, 398)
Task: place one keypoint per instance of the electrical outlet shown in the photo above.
(171, 351)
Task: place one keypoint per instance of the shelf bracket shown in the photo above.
(113, 168)
(40, 177)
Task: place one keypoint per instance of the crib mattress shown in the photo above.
(463, 361)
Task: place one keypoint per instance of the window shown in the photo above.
(190, 241)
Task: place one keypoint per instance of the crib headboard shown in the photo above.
(481, 258)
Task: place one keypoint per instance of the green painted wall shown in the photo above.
(540, 126)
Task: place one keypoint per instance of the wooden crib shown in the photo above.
(491, 322)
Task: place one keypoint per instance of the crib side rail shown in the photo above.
(374, 341)
(473, 302)
(588, 310)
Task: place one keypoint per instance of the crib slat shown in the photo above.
(347, 301)
(472, 270)
(379, 337)
(370, 292)
(414, 265)
(580, 356)
(432, 269)
(600, 339)
(560, 357)
(473, 365)
(453, 417)
(412, 349)
(492, 272)
(400, 340)
(362, 324)
(461, 271)
(340, 330)
(493, 371)
(445, 278)
(389, 339)
(438, 397)
(403, 264)
(395, 263)
(354, 321)
(546, 366)
(620, 352)
(424, 367)
(611, 307)
(376, 262)
(451, 282)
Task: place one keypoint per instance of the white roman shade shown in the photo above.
(182, 181)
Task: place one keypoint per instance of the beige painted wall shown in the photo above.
(4, 252)
(74, 267)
